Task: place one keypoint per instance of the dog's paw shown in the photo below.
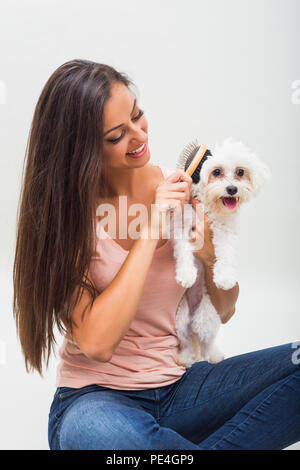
(223, 282)
(186, 276)
(185, 358)
(213, 356)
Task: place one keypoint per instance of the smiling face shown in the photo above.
(125, 129)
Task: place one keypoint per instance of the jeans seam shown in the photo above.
(58, 435)
(157, 399)
(254, 411)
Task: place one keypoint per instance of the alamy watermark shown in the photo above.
(161, 221)
(2, 352)
(2, 92)
(296, 353)
(295, 98)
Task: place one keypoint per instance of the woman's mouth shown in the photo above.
(230, 202)
(138, 152)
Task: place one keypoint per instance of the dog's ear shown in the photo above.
(260, 173)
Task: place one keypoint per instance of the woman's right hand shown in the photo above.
(171, 193)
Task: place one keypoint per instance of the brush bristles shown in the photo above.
(186, 152)
(187, 156)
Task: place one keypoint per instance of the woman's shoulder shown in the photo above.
(166, 170)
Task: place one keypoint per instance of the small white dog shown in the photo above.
(231, 176)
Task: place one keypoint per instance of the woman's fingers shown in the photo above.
(180, 186)
(169, 204)
(176, 186)
(195, 203)
(179, 175)
(173, 192)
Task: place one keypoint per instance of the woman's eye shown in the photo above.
(240, 172)
(216, 172)
(140, 114)
(114, 141)
(135, 118)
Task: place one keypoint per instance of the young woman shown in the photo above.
(114, 298)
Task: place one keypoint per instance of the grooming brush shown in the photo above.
(192, 158)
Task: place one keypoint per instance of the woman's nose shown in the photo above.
(140, 136)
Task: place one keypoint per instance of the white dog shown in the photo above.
(228, 178)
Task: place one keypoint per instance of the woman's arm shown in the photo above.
(106, 322)
(223, 300)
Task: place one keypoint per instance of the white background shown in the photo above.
(204, 68)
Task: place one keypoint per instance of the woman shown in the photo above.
(115, 298)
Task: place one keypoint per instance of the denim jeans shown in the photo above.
(250, 401)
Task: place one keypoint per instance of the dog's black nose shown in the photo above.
(231, 190)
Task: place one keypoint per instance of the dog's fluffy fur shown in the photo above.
(197, 332)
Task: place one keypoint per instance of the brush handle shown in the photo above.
(196, 160)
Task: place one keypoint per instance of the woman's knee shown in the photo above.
(107, 425)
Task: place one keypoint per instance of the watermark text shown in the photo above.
(296, 353)
(295, 98)
(2, 92)
(163, 221)
(2, 352)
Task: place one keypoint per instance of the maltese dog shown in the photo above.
(231, 176)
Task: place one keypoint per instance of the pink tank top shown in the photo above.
(146, 355)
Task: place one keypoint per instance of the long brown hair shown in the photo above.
(64, 176)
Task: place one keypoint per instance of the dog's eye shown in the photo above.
(216, 172)
(240, 172)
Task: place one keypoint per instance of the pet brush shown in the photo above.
(192, 158)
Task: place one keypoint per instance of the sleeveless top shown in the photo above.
(146, 355)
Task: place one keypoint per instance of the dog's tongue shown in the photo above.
(230, 202)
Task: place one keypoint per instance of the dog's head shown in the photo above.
(231, 176)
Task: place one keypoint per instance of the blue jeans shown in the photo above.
(251, 401)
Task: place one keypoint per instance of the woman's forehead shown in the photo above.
(118, 107)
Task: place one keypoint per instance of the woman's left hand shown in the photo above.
(201, 236)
